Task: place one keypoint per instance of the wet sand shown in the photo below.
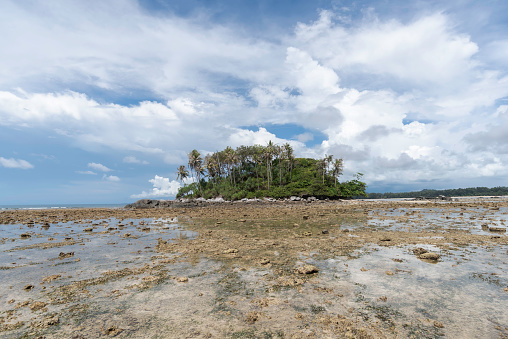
(360, 269)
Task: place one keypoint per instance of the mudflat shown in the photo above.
(326, 269)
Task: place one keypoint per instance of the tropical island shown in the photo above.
(265, 171)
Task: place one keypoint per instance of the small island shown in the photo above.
(270, 171)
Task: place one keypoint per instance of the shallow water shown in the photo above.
(460, 296)
(463, 290)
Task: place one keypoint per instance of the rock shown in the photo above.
(385, 238)
(438, 324)
(325, 232)
(51, 278)
(497, 229)
(429, 256)
(24, 235)
(419, 251)
(289, 281)
(150, 278)
(89, 229)
(306, 269)
(47, 322)
(112, 331)
(252, 317)
(63, 255)
(230, 250)
(294, 198)
(505, 289)
(305, 217)
(264, 261)
(389, 273)
(37, 305)
(182, 279)
(28, 287)
(307, 234)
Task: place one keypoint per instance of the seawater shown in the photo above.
(59, 206)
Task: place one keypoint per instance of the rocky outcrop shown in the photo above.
(149, 203)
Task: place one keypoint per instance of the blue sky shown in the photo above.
(101, 100)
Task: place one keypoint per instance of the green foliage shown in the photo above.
(271, 171)
(459, 192)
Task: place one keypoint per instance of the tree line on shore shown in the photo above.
(265, 171)
(458, 192)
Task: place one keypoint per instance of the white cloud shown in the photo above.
(98, 167)
(86, 172)
(426, 50)
(133, 160)
(15, 163)
(112, 178)
(162, 187)
(399, 99)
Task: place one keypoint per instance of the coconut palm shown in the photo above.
(268, 154)
(182, 173)
(337, 168)
(196, 164)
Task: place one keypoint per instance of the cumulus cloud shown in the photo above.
(15, 163)
(98, 167)
(133, 160)
(412, 99)
(162, 188)
(426, 50)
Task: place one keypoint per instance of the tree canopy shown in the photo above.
(265, 171)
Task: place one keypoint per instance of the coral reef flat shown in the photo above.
(293, 269)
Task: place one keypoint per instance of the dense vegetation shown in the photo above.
(265, 171)
(459, 192)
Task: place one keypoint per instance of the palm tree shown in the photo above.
(269, 151)
(195, 164)
(290, 158)
(337, 169)
(182, 173)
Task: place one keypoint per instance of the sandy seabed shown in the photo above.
(326, 269)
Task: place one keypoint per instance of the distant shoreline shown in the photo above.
(58, 206)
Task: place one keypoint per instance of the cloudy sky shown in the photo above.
(101, 100)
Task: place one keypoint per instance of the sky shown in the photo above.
(100, 101)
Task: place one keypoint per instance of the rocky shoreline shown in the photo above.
(184, 202)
